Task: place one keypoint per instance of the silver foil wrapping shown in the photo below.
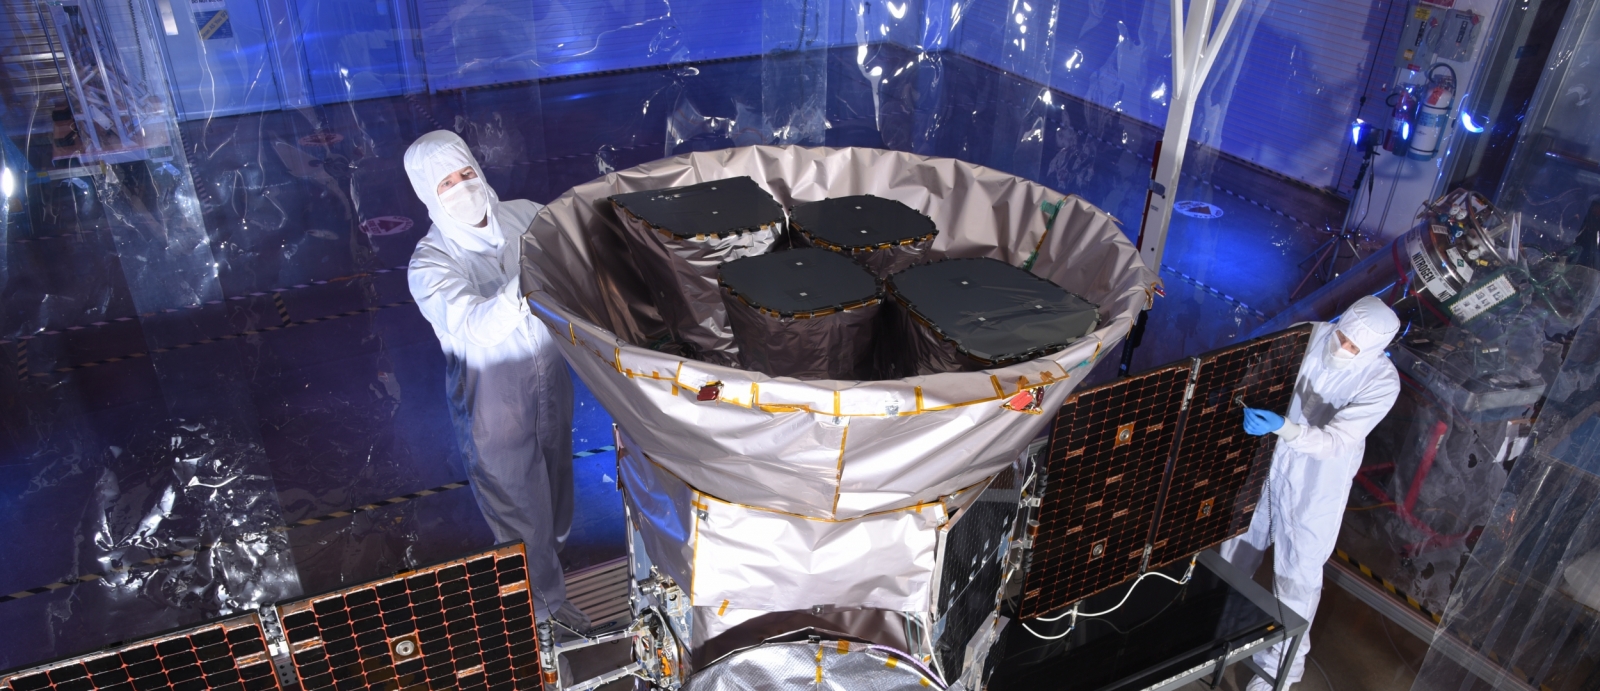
(778, 494)
(823, 664)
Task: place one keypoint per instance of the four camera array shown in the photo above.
(853, 290)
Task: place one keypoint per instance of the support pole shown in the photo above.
(1194, 50)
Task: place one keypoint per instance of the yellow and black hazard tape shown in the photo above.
(22, 362)
(276, 293)
(283, 310)
(186, 553)
(376, 505)
(1433, 617)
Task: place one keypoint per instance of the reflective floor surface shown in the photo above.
(290, 435)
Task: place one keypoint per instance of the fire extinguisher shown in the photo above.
(1401, 123)
(1438, 99)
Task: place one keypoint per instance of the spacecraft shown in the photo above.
(801, 513)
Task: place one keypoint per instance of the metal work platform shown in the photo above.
(1164, 636)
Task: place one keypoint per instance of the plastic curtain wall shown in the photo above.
(1524, 599)
(213, 358)
(1522, 602)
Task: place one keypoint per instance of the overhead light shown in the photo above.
(1355, 131)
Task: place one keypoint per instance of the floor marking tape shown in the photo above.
(1384, 582)
(275, 292)
(1196, 283)
(1189, 175)
(1438, 620)
(217, 339)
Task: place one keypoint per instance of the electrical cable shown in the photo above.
(1043, 637)
(1367, 85)
(1074, 613)
(1324, 672)
(1125, 596)
(1141, 624)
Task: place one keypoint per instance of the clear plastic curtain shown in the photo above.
(204, 298)
(1522, 604)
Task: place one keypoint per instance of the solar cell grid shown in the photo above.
(1109, 487)
(466, 624)
(230, 655)
(1100, 484)
(1218, 471)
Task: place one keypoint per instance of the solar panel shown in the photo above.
(1154, 468)
(1100, 485)
(465, 624)
(229, 655)
(1218, 471)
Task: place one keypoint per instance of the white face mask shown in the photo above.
(467, 202)
(1338, 357)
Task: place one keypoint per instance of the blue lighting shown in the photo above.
(1472, 125)
(1355, 132)
(1405, 130)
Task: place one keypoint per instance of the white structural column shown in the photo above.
(1195, 46)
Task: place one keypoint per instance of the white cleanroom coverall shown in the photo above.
(1337, 401)
(509, 389)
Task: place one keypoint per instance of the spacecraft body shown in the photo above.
(758, 494)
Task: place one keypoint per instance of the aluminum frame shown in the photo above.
(1292, 628)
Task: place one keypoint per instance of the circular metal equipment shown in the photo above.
(405, 648)
(1455, 241)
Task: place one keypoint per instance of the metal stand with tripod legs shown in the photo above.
(1325, 258)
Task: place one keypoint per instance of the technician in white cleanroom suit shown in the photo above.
(1346, 386)
(510, 394)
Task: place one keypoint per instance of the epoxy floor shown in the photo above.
(291, 436)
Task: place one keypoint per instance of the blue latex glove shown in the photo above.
(1259, 422)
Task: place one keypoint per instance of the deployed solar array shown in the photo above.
(1154, 468)
(1217, 474)
(465, 624)
(230, 655)
(1101, 485)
